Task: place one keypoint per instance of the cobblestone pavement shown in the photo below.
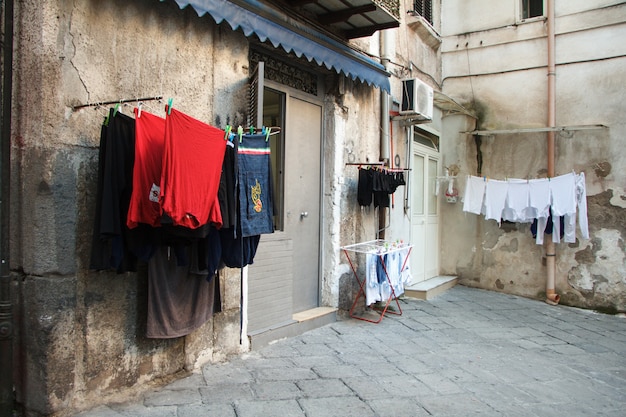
(466, 352)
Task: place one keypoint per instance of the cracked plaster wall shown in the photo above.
(80, 334)
(511, 93)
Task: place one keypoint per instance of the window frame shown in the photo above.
(526, 4)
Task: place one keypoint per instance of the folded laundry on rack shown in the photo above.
(385, 275)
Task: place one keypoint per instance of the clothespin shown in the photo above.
(115, 110)
(106, 119)
(240, 133)
(169, 105)
(267, 133)
(139, 106)
(229, 128)
(252, 130)
(228, 136)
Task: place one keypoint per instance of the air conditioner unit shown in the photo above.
(417, 98)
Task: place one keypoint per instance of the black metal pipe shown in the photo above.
(6, 314)
(124, 100)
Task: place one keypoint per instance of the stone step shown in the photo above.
(301, 322)
(427, 290)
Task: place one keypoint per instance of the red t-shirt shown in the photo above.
(149, 145)
(192, 166)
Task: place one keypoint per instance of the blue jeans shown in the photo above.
(255, 186)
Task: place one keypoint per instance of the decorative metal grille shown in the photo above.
(282, 72)
(392, 6)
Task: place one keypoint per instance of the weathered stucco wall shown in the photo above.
(357, 128)
(501, 74)
(80, 334)
(352, 128)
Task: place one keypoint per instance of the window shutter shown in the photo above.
(425, 9)
(255, 117)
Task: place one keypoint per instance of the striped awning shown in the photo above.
(255, 18)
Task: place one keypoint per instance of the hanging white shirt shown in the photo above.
(569, 235)
(372, 288)
(516, 207)
(563, 199)
(474, 195)
(495, 196)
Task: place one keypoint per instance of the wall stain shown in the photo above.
(588, 254)
(602, 169)
(603, 214)
(511, 247)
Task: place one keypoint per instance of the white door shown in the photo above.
(284, 278)
(302, 198)
(424, 214)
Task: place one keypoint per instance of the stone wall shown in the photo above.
(500, 71)
(81, 334)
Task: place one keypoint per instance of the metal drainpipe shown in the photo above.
(551, 296)
(6, 314)
(383, 40)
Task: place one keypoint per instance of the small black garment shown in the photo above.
(397, 179)
(380, 186)
(365, 187)
(381, 199)
(209, 253)
(227, 192)
(112, 240)
(377, 185)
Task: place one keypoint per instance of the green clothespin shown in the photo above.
(169, 105)
(229, 128)
(117, 107)
(252, 130)
(240, 133)
(266, 131)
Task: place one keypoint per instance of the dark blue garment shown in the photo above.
(238, 251)
(256, 213)
(549, 226)
(210, 253)
(381, 264)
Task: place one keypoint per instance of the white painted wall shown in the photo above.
(500, 70)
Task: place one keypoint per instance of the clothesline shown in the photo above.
(106, 103)
(526, 200)
(487, 178)
(378, 247)
(377, 165)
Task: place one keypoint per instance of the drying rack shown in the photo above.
(379, 247)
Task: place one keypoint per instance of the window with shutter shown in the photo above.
(425, 9)
(256, 95)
